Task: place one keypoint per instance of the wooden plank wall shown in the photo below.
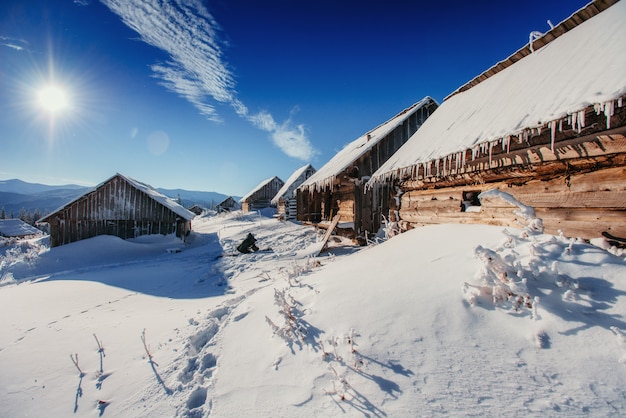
(581, 205)
(116, 208)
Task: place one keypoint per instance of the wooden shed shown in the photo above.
(285, 200)
(261, 196)
(339, 186)
(227, 205)
(119, 206)
(546, 126)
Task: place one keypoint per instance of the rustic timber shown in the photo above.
(261, 196)
(122, 207)
(343, 191)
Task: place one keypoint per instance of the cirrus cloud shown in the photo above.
(197, 70)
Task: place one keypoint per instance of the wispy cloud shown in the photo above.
(13, 43)
(197, 70)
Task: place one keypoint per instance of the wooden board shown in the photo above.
(329, 232)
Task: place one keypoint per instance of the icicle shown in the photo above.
(463, 159)
(598, 108)
(552, 134)
(506, 143)
(581, 120)
(561, 125)
(490, 152)
(619, 102)
(609, 110)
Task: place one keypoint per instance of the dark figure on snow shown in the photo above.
(248, 245)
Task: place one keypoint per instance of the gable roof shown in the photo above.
(16, 228)
(354, 150)
(584, 66)
(292, 183)
(259, 187)
(227, 200)
(147, 189)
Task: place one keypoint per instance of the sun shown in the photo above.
(53, 99)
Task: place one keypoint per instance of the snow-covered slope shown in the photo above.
(416, 326)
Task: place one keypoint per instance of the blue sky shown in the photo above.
(220, 95)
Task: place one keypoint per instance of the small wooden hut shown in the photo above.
(119, 206)
(547, 126)
(339, 186)
(227, 205)
(261, 196)
(285, 200)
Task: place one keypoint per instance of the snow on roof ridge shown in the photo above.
(290, 181)
(535, 44)
(352, 151)
(583, 67)
(260, 185)
(159, 197)
(146, 188)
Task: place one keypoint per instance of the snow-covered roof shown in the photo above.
(147, 189)
(161, 198)
(259, 187)
(354, 150)
(16, 228)
(292, 183)
(226, 200)
(582, 67)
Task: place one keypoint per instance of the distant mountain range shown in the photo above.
(17, 195)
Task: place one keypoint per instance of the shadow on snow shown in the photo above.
(162, 266)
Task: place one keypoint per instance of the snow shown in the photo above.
(354, 150)
(147, 189)
(16, 228)
(292, 183)
(582, 67)
(444, 320)
(259, 187)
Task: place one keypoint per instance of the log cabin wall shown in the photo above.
(262, 197)
(361, 207)
(115, 208)
(575, 181)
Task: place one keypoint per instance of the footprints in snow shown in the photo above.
(200, 363)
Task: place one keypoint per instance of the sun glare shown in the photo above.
(53, 99)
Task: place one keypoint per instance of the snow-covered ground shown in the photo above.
(449, 320)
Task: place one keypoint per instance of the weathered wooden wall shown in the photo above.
(581, 205)
(115, 208)
(262, 198)
(348, 197)
(575, 179)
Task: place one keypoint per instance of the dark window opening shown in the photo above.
(470, 202)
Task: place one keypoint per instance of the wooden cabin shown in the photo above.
(119, 206)
(261, 196)
(546, 126)
(339, 186)
(285, 200)
(227, 205)
(197, 209)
